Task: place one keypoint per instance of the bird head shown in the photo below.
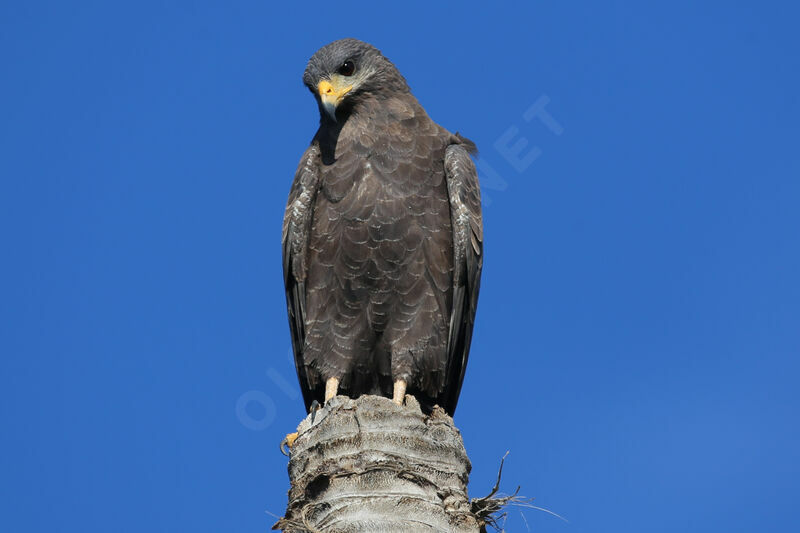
(344, 72)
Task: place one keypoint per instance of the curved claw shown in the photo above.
(314, 408)
(287, 442)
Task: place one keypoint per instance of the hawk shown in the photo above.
(382, 239)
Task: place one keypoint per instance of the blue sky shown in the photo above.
(637, 340)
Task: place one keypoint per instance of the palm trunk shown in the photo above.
(368, 465)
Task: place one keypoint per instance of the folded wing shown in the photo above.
(467, 223)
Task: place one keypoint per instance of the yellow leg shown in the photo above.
(399, 391)
(331, 388)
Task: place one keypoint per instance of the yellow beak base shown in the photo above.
(331, 95)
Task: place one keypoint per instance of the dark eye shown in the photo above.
(347, 68)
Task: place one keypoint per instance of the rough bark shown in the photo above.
(368, 465)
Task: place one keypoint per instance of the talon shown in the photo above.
(314, 408)
(287, 442)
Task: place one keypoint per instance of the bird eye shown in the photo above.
(347, 68)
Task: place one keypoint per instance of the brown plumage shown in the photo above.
(382, 238)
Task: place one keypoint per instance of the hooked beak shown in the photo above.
(331, 93)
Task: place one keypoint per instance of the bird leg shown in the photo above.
(331, 388)
(399, 391)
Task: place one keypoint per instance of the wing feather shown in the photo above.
(467, 222)
(296, 229)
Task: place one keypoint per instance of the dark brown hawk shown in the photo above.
(382, 239)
